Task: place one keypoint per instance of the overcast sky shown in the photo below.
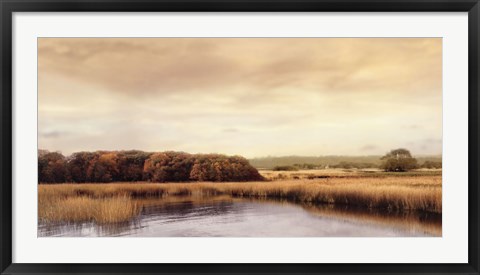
(247, 96)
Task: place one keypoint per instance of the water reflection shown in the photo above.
(234, 217)
(412, 221)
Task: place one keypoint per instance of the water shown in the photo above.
(230, 217)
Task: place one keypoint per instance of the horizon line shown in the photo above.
(258, 157)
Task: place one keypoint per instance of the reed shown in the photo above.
(85, 209)
(107, 203)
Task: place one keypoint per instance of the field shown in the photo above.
(344, 173)
(118, 202)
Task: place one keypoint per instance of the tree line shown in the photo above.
(131, 166)
(321, 162)
(397, 160)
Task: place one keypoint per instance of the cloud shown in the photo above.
(52, 134)
(193, 65)
(137, 66)
(287, 95)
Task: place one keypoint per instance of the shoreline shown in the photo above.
(389, 193)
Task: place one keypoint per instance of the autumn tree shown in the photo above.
(103, 167)
(52, 167)
(215, 167)
(78, 164)
(108, 166)
(203, 169)
(168, 166)
(130, 165)
(398, 160)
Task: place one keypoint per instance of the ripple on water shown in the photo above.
(187, 217)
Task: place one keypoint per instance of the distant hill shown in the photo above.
(270, 162)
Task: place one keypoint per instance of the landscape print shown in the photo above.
(240, 137)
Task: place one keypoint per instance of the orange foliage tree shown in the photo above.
(52, 167)
(130, 166)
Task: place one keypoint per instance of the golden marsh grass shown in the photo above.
(115, 202)
(84, 209)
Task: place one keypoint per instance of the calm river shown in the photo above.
(231, 217)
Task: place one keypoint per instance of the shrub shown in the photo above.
(432, 164)
(285, 168)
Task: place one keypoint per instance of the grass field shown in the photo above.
(344, 173)
(116, 202)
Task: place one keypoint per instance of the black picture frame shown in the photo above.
(8, 7)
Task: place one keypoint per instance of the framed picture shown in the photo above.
(243, 137)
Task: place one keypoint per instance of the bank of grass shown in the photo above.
(115, 202)
(344, 173)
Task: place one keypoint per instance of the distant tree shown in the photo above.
(306, 166)
(398, 160)
(357, 165)
(286, 168)
(345, 165)
(432, 164)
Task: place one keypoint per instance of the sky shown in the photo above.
(241, 96)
